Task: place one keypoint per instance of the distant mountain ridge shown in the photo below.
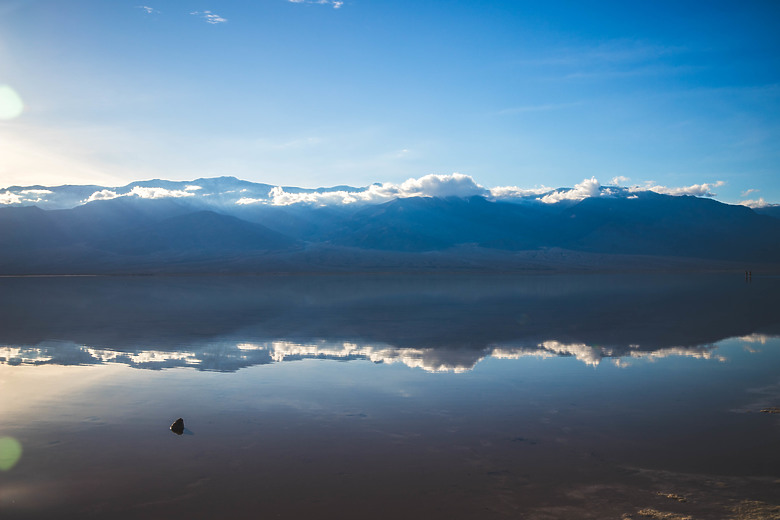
(228, 225)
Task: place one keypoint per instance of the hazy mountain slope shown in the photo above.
(427, 224)
(674, 226)
(770, 211)
(29, 227)
(204, 232)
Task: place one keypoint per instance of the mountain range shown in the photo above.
(226, 225)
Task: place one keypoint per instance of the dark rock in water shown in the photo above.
(178, 426)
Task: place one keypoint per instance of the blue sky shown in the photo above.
(321, 93)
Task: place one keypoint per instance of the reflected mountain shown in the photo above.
(437, 323)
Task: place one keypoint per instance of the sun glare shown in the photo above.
(11, 105)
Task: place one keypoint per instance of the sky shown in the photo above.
(326, 92)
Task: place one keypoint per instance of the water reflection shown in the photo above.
(436, 323)
(227, 357)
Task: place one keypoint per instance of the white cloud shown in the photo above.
(103, 195)
(620, 179)
(35, 192)
(248, 200)
(453, 185)
(10, 198)
(460, 185)
(760, 203)
(748, 192)
(192, 188)
(158, 193)
(141, 192)
(587, 188)
(149, 10)
(210, 17)
(513, 192)
(697, 190)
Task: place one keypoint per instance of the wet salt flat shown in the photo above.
(550, 396)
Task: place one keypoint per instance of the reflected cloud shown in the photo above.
(228, 356)
(756, 338)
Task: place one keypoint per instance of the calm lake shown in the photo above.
(417, 396)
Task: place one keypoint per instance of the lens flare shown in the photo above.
(11, 104)
(10, 453)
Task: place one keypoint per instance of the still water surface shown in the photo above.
(538, 397)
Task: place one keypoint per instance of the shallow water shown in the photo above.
(561, 396)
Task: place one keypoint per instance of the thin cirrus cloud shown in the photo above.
(209, 17)
(336, 4)
(147, 9)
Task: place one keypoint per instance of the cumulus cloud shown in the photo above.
(192, 187)
(587, 188)
(453, 185)
(620, 179)
(209, 17)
